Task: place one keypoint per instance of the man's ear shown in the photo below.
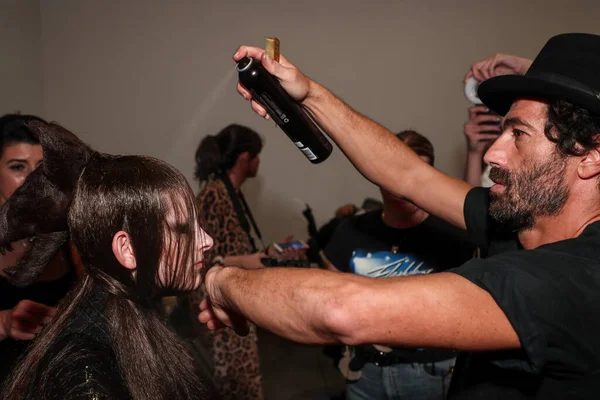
(122, 248)
(589, 166)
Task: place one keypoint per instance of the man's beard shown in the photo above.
(539, 190)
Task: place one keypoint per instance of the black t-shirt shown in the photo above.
(551, 296)
(366, 246)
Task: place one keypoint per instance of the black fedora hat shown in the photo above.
(567, 68)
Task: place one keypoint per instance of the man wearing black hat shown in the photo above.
(530, 312)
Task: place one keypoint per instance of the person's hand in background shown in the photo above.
(346, 210)
(25, 320)
(498, 64)
(479, 136)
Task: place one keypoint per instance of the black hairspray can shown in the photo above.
(290, 117)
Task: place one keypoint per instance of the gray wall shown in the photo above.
(154, 77)
(20, 57)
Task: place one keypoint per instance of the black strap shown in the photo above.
(239, 203)
(252, 220)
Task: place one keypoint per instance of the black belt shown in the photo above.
(369, 354)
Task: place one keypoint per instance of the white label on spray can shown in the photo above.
(309, 154)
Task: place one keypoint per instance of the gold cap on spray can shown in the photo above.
(272, 48)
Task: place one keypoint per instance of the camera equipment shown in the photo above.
(273, 262)
(471, 94)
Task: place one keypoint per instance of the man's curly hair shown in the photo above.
(574, 130)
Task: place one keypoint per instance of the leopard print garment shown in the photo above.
(235, 358)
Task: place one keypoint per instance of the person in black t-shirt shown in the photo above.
(531, 312)
(398, 240)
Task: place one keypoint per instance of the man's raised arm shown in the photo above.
(374, 150)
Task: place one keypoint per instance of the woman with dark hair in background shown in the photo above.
(133, 221)
(223, 163)
(24, 309)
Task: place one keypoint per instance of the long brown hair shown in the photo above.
(153, 203)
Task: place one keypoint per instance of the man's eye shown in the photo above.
(518, 133)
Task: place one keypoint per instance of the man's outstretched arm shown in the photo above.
(373, 149)
(313, 306)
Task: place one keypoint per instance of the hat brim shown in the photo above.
(500, 92)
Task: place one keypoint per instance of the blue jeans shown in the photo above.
(402, 382)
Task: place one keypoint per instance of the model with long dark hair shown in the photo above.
(133, 222)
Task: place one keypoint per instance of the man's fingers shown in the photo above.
(478, 75)
(477, 109)
(205, 316)
(243, 92)
(259, 109)
(213, 325)
(276, 69)
(204, 305)
(248, 51)
(468, 76)
(476, 70)
(284, 61)
(491, 67)
(208, 317)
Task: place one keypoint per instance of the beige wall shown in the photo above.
(154, 77)
(20, 57)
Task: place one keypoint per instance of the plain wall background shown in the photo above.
(20, 57)
(154, 77)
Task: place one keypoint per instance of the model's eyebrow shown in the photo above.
(16, 160)
(514, 121)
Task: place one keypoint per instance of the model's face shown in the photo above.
(17, 161)
(179, 237)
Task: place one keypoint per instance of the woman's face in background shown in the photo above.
(17, 161)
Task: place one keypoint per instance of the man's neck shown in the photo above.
(236, 179)
(398, 220)
(570, 223)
